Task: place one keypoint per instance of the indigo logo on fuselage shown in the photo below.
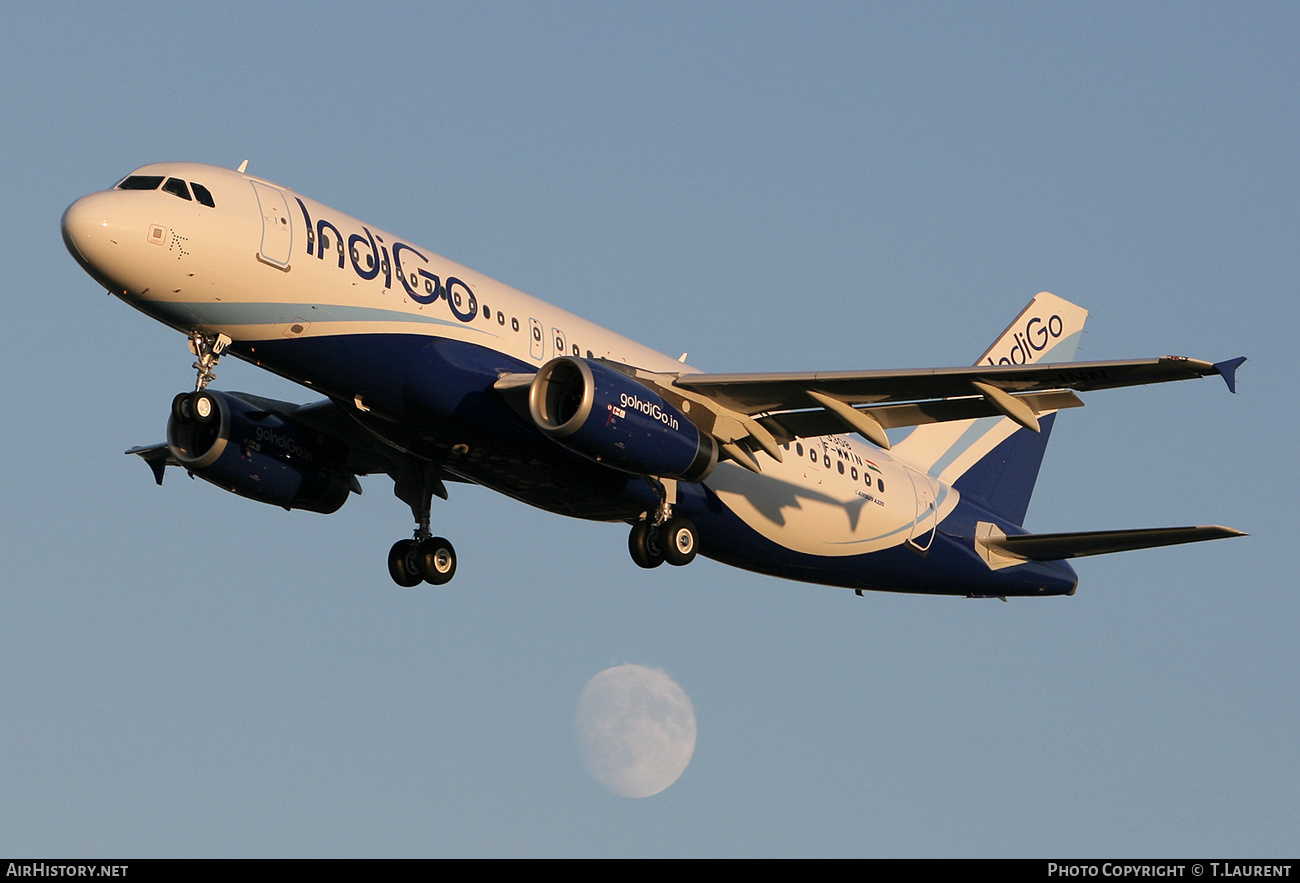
(370, 258)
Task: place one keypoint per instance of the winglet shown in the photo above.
(157, 456)
(1229, 371)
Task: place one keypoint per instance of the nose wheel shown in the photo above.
(195, 407)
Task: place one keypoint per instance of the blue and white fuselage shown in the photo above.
(436, 372)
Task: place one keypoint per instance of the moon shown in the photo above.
(637, 729)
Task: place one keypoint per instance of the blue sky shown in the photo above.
(767, 187)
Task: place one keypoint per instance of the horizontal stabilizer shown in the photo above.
(1056, 546)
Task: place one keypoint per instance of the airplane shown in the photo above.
(434, 373)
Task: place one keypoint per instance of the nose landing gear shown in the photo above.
(208, 348)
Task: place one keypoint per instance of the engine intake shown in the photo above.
(248, 450)
(607, 416)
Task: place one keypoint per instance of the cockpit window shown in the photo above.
(176, 187)
(202, 195)
(140, 182)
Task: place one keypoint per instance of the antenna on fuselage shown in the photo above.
(242, 167)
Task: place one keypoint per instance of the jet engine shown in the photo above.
(605, 415)
(241, 445)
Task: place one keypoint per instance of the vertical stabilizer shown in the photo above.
(994, 460)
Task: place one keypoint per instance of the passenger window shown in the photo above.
(798, 448)
(514, 324)
(853, 473)
(501, 318)
(140, 182)
(880, 483)
(202, 195)
(575, 349)
(176, 187)
(487, 313)
(841, 465)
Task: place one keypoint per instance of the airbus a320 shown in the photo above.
(433, 373)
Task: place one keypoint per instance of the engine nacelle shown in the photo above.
(603, 414)
(256, 453)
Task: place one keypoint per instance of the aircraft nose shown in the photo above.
(91, 231)
(79, 224)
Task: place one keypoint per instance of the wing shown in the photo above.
(760, 411)
(756, 393)
(159, 457)
(368, 451)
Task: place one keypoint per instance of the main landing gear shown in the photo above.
(432, 560)
(424, 558)
(663, 536)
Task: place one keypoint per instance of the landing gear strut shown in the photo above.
(424, 557)
(208, 348)
(663, 536)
